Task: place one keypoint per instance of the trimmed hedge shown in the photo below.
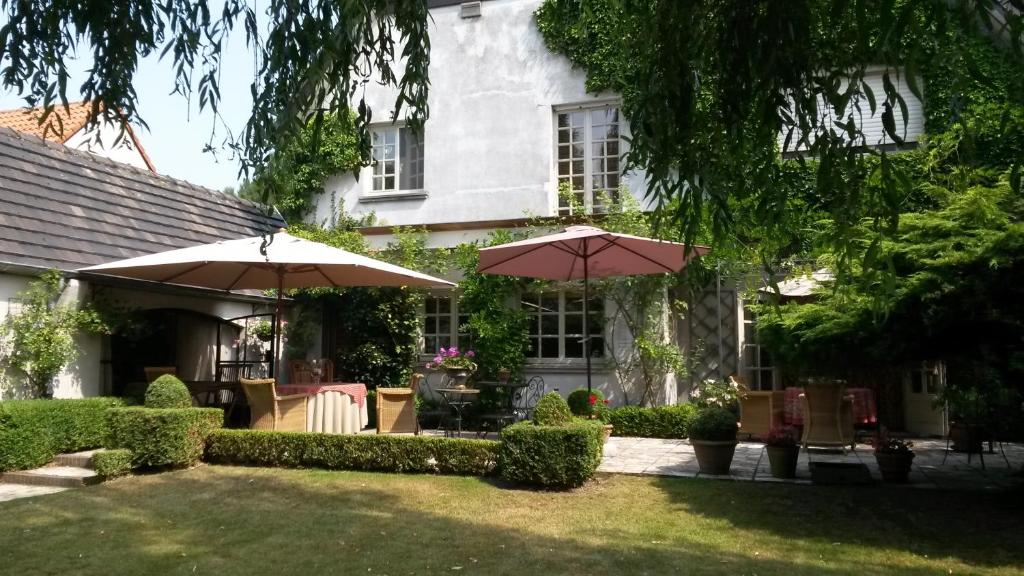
(112, 463)
(168, 391)
(657, 422)
(552, 410)
(550, 456)
(162, 436)
(353, 452)
(32, 432)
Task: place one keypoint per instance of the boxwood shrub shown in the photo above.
(552, 410)
(159, 437)
(168, 391)
(713, 424)
(32, 432)
(112, 463)
(657, 422)
(550, 456)
(352, 452)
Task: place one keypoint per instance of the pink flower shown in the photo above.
(429, 365)
(470, 354)
(438, 359)
(453, 352)
(442, 352)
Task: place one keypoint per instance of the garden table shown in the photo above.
(466, 397)
(337, 408)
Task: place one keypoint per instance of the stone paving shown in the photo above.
(656, 457)
(15, 491)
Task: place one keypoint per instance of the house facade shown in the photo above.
(65, 209)
(510, 121)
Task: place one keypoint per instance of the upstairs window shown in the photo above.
(587, 145)
(556, 325)
(397, 159)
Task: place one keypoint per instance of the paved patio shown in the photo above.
(651, 456)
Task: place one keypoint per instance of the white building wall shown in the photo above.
(124, 151)
(489, 141)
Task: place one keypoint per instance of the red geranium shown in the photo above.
(592, 400)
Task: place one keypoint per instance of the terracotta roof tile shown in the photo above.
(59, 126)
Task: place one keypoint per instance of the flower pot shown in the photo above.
(967, 438)
(783, 460)
(894, 466)
(607, 431)
(714, 456)
(458, 376)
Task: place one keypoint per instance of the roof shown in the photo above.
(804, 285)
(62, 124)
(65, 208)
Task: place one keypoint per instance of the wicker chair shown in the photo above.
(272, 412)
(828, 417)
(396, 408)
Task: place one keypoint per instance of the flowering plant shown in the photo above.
(453, 359)
(886, 444)
(782, 437)
(717, 393)
(586, 404)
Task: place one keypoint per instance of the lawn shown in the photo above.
(226, 520)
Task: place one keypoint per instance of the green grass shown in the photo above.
(226, 520)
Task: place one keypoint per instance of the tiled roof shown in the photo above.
(64, 208)
(58, 127)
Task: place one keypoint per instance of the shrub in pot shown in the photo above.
(894, 457)
(783, 449)
(713, 435)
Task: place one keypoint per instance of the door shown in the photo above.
(920, 389)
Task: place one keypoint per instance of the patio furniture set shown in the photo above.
(827, 414)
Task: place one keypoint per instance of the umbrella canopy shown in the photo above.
(582, 252)
(585, 252)
(280, 261)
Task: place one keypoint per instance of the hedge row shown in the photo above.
(657, 422)
(159, 437)
(112, 463)
(352, 452)
(551, 456)
(32, 432)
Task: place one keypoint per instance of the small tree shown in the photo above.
(39, 339)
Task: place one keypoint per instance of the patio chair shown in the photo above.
(828, 417)
(396, 408)
(154, 372)
(525, 399)
(268, 411)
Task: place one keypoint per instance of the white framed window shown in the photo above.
(556, 324)
(397, 159)
(587, 150)
(757, 365)
(441, 324)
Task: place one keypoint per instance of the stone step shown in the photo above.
(61, 476)
(75, 459)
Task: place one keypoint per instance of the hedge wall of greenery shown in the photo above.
(550, 456)
(353, 452)
(32, 432)
(112, 463)
(657, 422)
(162, 436)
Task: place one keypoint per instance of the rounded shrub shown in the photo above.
(584, 403)
(168, 391)
(552, 410)
(713, 423)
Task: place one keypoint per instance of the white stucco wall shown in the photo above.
(123, 151)
(489, 141)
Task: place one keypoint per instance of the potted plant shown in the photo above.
(591, 405)
(783, 448)
(262, 331)
(894, 457)
(458, 365)
(713, 436)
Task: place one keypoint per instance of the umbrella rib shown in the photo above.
(635, 253)
(183, 272)
(326, 277)
(510, 258)
(231, 286)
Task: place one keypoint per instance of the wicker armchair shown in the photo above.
(396, 408)
(272, 412)
(828, 417)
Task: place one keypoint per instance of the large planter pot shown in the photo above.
(607, 431)
(894, 466)
(714, 456)
(967, 438)
(459, 376)
(783, 460)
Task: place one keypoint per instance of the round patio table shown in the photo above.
(466, 395)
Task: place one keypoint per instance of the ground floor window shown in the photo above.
(758, 367)
(556, 324)
(442, 324)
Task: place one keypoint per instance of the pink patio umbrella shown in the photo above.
(585, 252)
(279, 261)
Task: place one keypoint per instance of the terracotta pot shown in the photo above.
(894, 466)
(967, 438)
(783, 460)
(714, 456)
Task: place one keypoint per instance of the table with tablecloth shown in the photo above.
(336, 408)
(864, 410)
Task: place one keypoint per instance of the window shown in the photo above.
(556, 325)
(758, 367)
(397, 159)
(441, 324)
(587, 156)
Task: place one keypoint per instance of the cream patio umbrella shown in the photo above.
(279, 261)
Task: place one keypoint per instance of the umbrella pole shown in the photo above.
(586, 314)
(277, 366)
